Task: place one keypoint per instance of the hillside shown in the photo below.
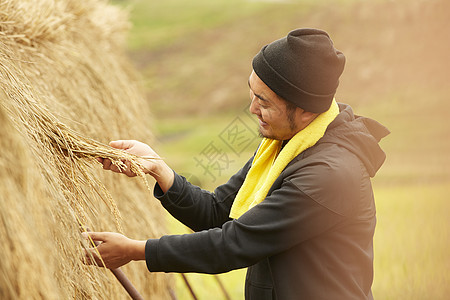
(397, 71)
(196, 66)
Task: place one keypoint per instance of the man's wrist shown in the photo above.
(137, 250)
(164, 176)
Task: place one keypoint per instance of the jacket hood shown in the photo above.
(360, 135)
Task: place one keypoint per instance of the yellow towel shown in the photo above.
(269, 162)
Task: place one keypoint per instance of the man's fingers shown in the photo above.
(106, 164)
(126, 145)
(115, 168)
(95, 236)
(91, 257)
(128, 171)
(121, 144)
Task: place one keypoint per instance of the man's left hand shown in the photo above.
(115, 249)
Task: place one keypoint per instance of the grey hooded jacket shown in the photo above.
(311, 237)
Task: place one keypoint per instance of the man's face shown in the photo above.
(275, 120)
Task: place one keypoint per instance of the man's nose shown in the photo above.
(254, 107)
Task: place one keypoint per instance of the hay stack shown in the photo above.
(66, 84)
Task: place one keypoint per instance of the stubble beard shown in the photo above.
(292, 126)
(260, 134)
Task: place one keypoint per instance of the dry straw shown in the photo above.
(65, 85)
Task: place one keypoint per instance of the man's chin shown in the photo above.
(268, 136)
(260, 133)
(264, 135)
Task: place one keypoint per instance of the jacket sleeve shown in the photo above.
(200, 209)
(285, 218)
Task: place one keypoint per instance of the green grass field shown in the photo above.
(195, 60)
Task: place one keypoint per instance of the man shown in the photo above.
(300, 214)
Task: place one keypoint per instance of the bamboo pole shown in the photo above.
(126, 283)
(191, 290)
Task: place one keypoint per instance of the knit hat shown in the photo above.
(302, 68)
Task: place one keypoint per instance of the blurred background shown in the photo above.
(195, 58)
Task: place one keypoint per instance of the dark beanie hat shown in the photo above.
(302, 68)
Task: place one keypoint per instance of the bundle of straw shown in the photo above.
(53, 73)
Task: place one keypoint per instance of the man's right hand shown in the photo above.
(155, 167)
